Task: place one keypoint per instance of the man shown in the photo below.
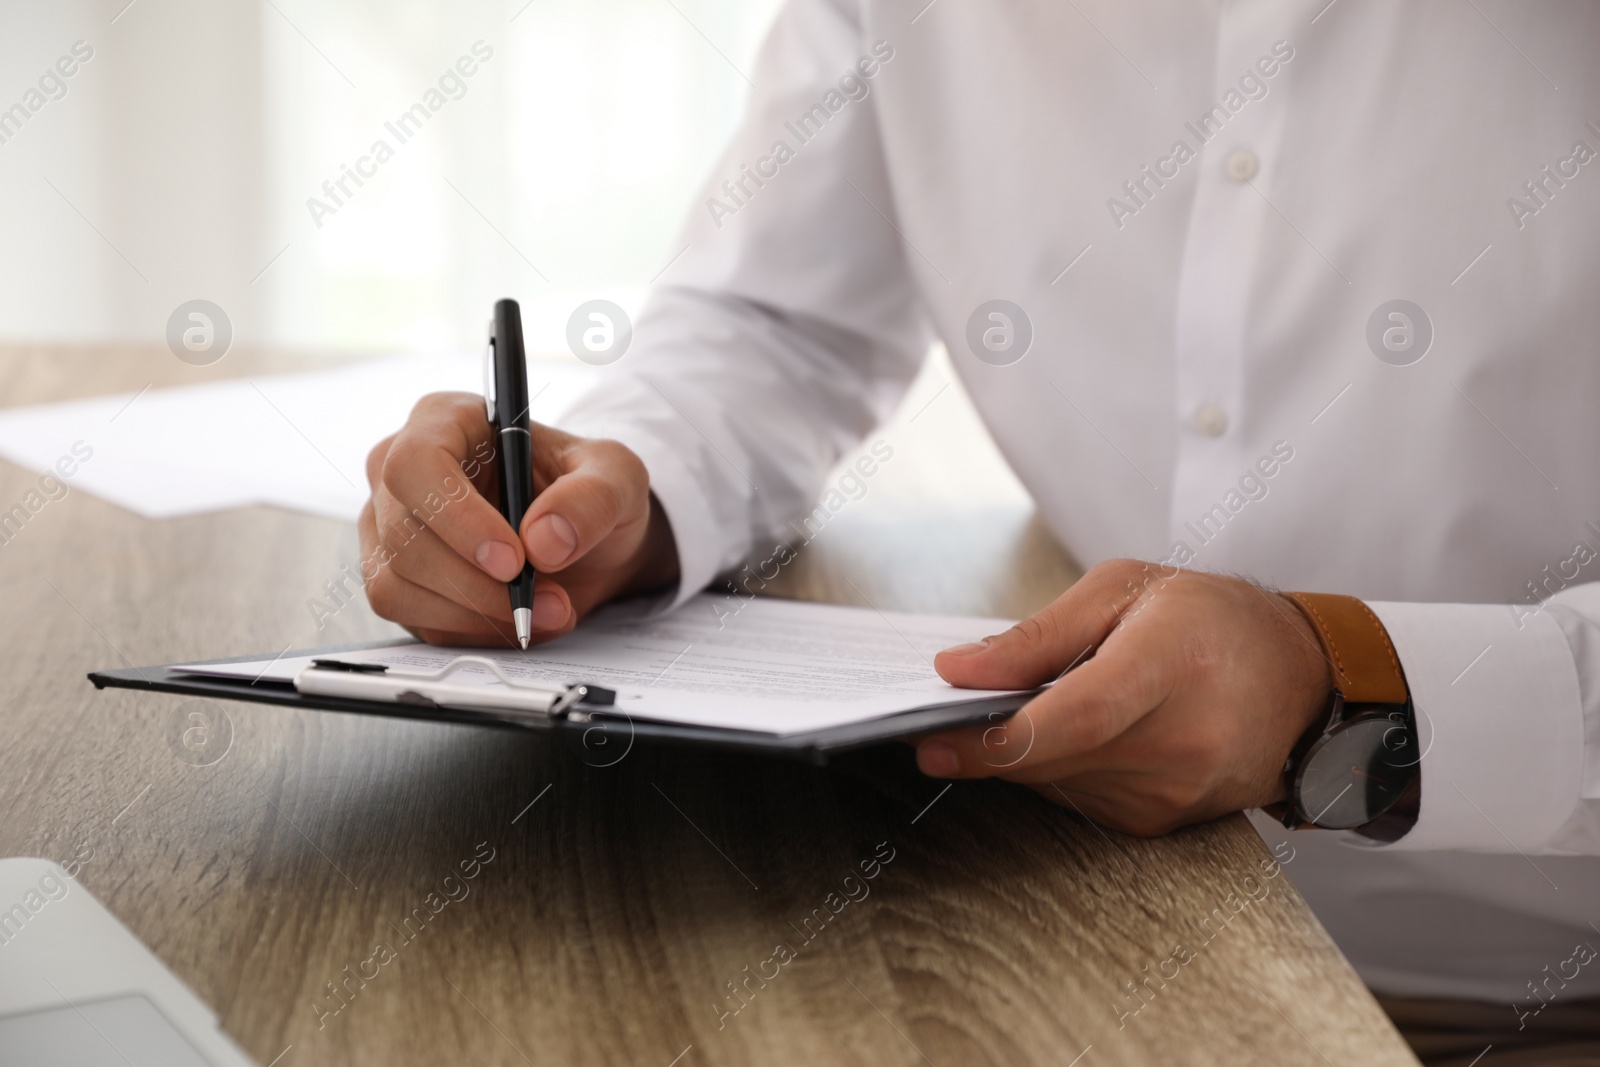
(1298, 291)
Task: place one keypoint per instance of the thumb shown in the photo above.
(1062, 635)
(593, 487)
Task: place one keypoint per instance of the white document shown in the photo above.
(298, 441)
(773, 666)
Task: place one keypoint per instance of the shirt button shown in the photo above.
(1211, 420)
(1242, 166)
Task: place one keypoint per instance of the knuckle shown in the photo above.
(375, 460)
(1093, 725)
(625, 458)
(1121, 569)
(607, 449)
(403, 453)
(383, 595)
(401, 562)
(1040, 629)
(602, 503)
(399, 539)
(1131, 575)
(1179, 796)
(608, 499)
(452, 405)
(1102, 716)
(629, 470)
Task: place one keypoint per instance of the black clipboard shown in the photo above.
(592, 725)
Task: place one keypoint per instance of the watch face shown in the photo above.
(1355, 772)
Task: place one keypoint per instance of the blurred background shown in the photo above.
(546, 150)
(178, 161)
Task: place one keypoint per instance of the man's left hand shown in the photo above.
(1185, 695)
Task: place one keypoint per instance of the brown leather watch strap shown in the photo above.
(1365, 667)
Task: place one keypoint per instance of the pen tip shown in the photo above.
(524, 642)
(523, 617)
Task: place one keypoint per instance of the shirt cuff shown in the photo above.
(1500, 725)
(681, 498)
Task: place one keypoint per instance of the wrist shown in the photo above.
(1314, 667)
(1357, 769)
(1307, 708)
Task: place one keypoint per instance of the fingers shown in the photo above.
(414, 579)
(399, 600)
(445, 550)
(599, 488)
(1055, 734)
(421, 467)
(1040, 647)
(420, 557)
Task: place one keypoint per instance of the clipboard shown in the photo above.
(581, 712)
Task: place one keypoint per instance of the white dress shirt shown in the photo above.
(1198, 206)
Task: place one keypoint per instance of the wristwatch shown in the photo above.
(1356, 767)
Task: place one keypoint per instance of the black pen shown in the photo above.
(505, 394)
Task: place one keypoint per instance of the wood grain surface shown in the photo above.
(306, 876)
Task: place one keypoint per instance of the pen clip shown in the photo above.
(429, 688)
(476, 661)
(488, 377)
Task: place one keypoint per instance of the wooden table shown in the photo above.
(621, 903)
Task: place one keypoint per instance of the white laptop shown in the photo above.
(78, 990)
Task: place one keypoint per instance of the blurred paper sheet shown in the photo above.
(296, 441)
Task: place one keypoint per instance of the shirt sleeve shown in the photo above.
(790, 326)
(1508, 713)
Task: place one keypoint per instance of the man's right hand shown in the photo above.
(443, 553)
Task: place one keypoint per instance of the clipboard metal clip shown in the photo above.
(513, 698)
